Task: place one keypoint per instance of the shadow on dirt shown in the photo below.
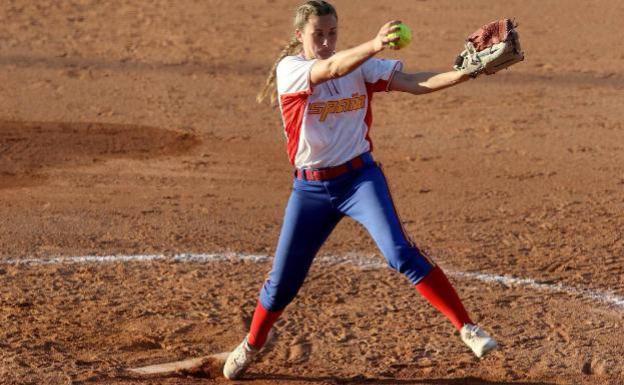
(27, 149)
(361, 380)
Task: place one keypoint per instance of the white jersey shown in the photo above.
(328, 124)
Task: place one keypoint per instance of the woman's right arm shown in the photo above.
(343, 62)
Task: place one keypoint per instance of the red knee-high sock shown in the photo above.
(261, 324)
(437, 289)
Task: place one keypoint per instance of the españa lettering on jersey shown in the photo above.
(327, 124)
(355, 102)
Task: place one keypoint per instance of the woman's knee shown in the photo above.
(275, 297)
(410, 261)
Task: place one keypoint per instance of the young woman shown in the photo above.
(325, 103)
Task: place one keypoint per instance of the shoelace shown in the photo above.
(242, 357)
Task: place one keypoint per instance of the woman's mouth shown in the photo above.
(324, 54)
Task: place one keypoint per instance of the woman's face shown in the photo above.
(319, 36)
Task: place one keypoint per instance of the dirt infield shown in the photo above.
(131, 129)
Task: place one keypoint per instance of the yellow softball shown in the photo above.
(405, 36)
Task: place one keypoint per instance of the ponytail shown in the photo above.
(270, 85)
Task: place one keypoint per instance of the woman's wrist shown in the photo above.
(377, 45)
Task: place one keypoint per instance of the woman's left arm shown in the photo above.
(426, 82)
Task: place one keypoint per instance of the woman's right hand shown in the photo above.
(382, 41)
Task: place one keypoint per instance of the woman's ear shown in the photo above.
(299, 36)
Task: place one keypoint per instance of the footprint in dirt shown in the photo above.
(299, 351)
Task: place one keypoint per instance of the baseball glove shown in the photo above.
(491, 48)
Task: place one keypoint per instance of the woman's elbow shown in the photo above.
(335, 71)
(425, 88)
(416, 88)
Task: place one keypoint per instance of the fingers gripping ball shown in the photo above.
(405, 36)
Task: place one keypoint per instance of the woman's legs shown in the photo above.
(308, 221)
(370, 203)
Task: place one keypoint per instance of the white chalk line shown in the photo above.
(362, 262)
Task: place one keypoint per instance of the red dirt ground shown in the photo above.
(128, 128)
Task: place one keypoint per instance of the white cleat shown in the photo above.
(477, 340)
(239, 360)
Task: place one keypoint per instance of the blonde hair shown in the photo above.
(302, 15)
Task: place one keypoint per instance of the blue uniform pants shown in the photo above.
(313, 211)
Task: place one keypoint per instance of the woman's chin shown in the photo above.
(324, 55)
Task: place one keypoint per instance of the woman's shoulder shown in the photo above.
(295, 60)
(293, 74)
(294, 63)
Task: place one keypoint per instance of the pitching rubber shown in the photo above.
(207, 366)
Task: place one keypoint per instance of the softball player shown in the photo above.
(325, 103)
